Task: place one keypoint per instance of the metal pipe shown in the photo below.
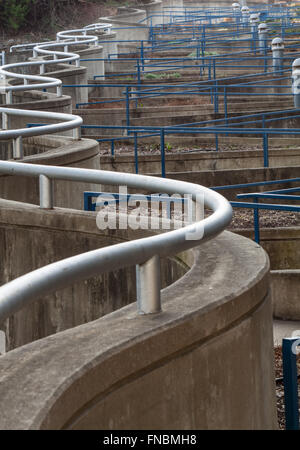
(17, 293)
(67, 122)
(18, 148)
(148, 286)
(46, 192)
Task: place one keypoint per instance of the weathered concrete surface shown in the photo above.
(31, 238)
(285, 289)
(212, 178)
(53, 150)
(281, 244)
(204, 363)
(284, 328)
(201, 160)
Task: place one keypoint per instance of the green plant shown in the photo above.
(151, 76)
(168, 146)
(14, 13)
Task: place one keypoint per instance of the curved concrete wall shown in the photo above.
(125, 24)
(53, 150)
(153, 10)
(204, 363)
(42, 237)
(285, 286)
(283, 248)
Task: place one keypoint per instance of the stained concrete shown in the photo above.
(204, 363)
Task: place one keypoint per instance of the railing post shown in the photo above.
(112, 147)
(46, 192)
(148, 286)
(18, 148)
(4, 121)
(59, 91)
(8, 96)
(42, 69)
(3, 58)
(225, 105)
(290, 382)
(256, 222)
(76, 132)
(266, 149)
(162, 152)
(142, 55)
(136, 161)
(216, 97)
(127, 109)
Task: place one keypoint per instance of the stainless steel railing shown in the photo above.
(145, 253)
(44, 50)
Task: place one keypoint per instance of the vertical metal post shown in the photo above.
(18, 148)
(4, 121)
(76, 132)
(148, 286)
(46, 192)
(290, 383)
(127, 109)
(3, 57)
(136, 162)
(256, 222)
(59, 91)
(9, 97)
(142, 55)
(225, 105)
(162, 152)
(216, 97)
(266, 149)
(138, 72)
(112, 147)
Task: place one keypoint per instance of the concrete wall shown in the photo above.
(285, 288)
(283, 248)
(153, 10)
(204, 363)
(201, 161)
(53, 150)
(42, 237)
(129, 24)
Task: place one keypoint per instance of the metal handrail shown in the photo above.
(42, 50)
(68, 122)
(145, 252)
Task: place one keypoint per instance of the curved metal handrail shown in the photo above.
(27, 288)
(43, 50)
(145, 253)
(67, 122)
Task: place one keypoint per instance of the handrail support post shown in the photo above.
(46, 192)
(18, 148)
(148, 286)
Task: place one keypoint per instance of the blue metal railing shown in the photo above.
(290, 382)
(278, 194)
